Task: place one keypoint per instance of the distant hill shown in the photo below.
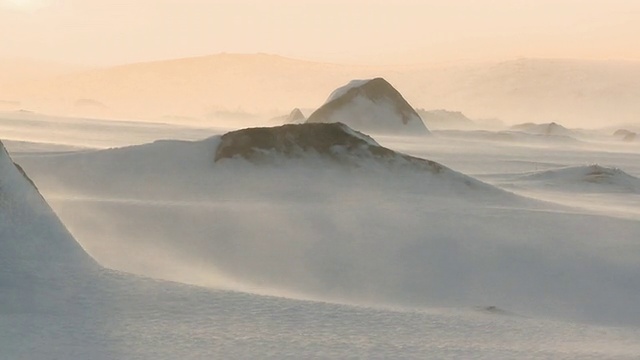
(574, 92)
(549, 129)
(592, 179)
(295, 117)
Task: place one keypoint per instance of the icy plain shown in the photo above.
(305, 259)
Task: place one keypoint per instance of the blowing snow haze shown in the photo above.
(319, 179)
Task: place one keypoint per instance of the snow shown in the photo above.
(341, 91)
(368, 115)
(373, 106)
(34, 243)
(373, 261)
(366, 138)
(375, 233)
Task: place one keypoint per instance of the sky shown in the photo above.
(109, 32)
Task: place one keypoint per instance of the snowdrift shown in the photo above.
(337, 217)
(592, 178)
(35, 247)
(372, 106)
(54, 304)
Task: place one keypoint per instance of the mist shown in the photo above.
(319, 179)
(316, 230)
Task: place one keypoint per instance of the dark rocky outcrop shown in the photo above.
(333, 141)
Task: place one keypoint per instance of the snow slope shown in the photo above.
(309, 227)
(370, 105)
(76, 311)
(37, 253)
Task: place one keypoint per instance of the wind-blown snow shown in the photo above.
(33, 242)
(371, 234)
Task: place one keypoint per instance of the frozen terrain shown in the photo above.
(575, 92)
(366, 257)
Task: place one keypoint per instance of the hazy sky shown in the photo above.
(357, 31)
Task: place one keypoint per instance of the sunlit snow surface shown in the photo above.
(426, 267)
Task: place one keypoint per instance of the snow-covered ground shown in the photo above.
(356, 261)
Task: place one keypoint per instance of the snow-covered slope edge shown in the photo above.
(108, 316)
(34, 244)
(347, 226)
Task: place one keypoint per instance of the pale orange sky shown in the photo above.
(106, 32)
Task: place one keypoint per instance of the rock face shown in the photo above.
(333, 141)
(373, 106)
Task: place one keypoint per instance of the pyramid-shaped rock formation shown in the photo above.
(296, 117)
(372, 106)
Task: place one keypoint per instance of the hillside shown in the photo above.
(573, 92)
